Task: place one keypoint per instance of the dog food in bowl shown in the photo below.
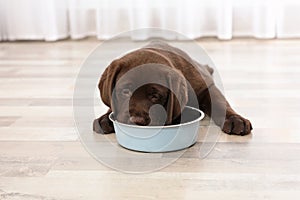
(160, 138)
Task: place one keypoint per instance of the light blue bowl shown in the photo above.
(160, 138)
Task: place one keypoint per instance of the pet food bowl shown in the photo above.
(160, 138)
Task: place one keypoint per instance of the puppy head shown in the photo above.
(143, 100)
(151, 94)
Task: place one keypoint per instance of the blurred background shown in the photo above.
(53, 20)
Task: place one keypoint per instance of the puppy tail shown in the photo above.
(209, 69)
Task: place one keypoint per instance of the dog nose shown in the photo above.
(138, 120)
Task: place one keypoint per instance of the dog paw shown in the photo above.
(103, 126)
(237, 125)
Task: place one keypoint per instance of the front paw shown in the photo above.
(103, 125)
(237, 125)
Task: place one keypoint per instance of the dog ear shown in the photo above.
(108, 81)
(178, 95)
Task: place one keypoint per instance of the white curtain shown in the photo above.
(52, 20)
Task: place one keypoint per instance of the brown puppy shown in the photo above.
(151, 86)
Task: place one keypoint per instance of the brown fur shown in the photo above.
(176, 67)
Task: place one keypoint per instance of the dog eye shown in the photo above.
(126, 92)
(154, 98)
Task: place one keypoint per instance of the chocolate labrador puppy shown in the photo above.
(151, 86)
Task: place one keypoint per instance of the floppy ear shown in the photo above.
(108, 81)
(178, 95)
